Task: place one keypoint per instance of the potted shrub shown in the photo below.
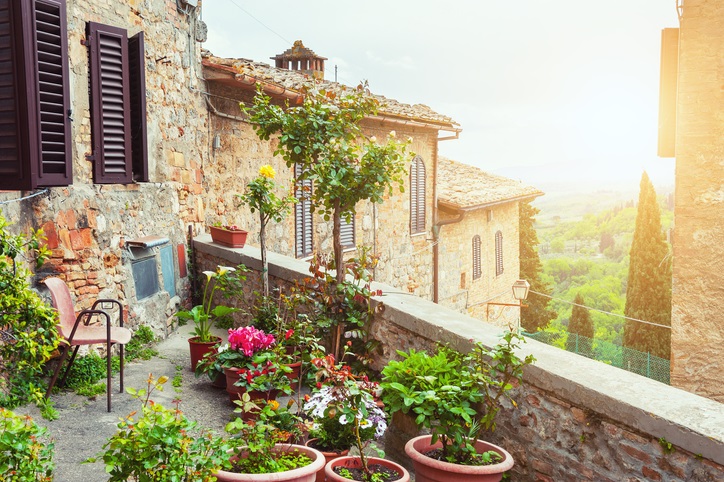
(23, 454)
(253, 363)
(204, 317)
(161, 444)
(261, 449)
(230, 236)
(345, 414)
(457, 397)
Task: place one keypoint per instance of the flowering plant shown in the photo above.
(202, 315)
(343, 410)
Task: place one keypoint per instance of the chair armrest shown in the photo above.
(89, 314)
(115, 302)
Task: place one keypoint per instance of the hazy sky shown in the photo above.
(544, 90)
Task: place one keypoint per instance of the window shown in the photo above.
(347, 233)
(417, 196)
(477, 271)
(34, 98)
(303, 216)
(118, 102)
(498, 253)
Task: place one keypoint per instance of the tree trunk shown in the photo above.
(264, 263)
(339, 266)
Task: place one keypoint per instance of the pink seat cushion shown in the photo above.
(87, 335)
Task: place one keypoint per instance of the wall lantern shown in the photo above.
(520, 290)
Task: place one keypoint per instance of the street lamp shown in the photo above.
(520, 293)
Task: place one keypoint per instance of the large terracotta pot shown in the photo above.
(296, 371)
(302, 474)
(198, 349)
(232, 239)
(235, 393)
(354, 462)
(321, 477)
(431, 470)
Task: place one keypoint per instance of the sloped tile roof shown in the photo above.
(294, 80)
(461, 186)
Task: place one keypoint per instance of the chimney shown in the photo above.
(301, 59)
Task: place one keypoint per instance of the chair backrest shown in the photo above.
(62, 302)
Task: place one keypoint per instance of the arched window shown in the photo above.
(498, 253)
(303, 215)
(477, 271)
(417, 196)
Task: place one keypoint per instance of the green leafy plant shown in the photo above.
(455, 395)
(24, 456)
(204, 315)
(141, 344)
(261, 443)
(161, 444)
(28, 327)
(667, 446)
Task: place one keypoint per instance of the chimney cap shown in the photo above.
(298, 51)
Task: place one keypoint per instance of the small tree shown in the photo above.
(580, 325)
(323, 137)
(260, 196)
(537, 315)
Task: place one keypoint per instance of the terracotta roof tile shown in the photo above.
(294, 80)
(462, 186)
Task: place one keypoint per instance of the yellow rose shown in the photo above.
(267, 171)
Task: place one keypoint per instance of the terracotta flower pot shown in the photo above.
(301, 474)
(430, 470)
(353, 462)
(296, 371)
(231, 239)
(198, 349)
(328, 456)
(235, 392)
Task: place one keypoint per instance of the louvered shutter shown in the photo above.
(347, 233)
(303, 216)
(417, 196)
(110, 104)
(137, 76)
(477, 269)
(498, 253)
(34, 101)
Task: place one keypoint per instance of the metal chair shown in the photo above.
(74, 333)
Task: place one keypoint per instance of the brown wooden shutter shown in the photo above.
(303, 227)
(498, 253)
(347, 233)
(137, 77)
(34, 101)
(477, 269)
(417, 196)
(110, 104)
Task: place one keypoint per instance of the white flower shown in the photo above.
(222, 348)
(392, 133)
(225, 269)
(209, 275)
(373, 139)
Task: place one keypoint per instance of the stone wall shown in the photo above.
(577, 419)
(88, 224)
(698, 264)
(458, 289)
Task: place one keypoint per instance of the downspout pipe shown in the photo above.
(436, 253)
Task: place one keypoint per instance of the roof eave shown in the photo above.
(450, 206)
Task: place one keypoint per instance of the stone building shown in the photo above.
(478, 233)
(104, 120)
(697, 319)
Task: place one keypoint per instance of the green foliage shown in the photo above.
(537, 315)
(580, 324)
(24, 457)
(454, 395)
(86, 371)
(667, 446)
(648, 292)
(161, 444)
(29, 324)
(141, 344)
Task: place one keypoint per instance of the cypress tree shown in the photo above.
(580, 324)
(537, 315)
(648, 292)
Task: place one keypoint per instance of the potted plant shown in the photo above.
(161, 444)
(261, 447)
(23, 453)
(345, 414)
(230, 236)
(456, 396)
(204, 317)
(253, 363)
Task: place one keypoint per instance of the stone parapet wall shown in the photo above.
(576, 420)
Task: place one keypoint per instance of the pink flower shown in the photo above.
(249, 340)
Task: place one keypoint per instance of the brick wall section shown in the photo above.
(698, 269)
(577, 420)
